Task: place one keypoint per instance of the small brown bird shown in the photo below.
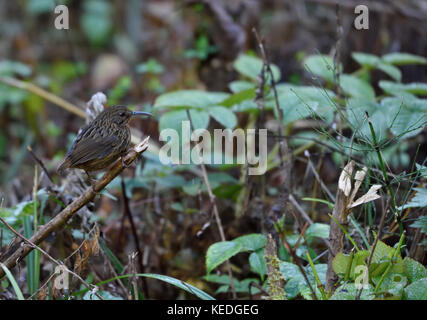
(102, 141)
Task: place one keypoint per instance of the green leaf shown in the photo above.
(239, 97)
(395, 88)
(237, 86)
(340, 263)
(419, 200)
(398, 58)
(97, 21)
(251, 67)
(190, 99)
(298, 102)
(372, 61)
(393, 284)
(384, 252)
(421, 222)
(13, 282)
(180, 284)
(356, 87)
(380, 117)
(295, 281)
(409, 115)
(321, 65)
(40, 6)
(366, 59)
(220, 252)
(257, 263)
(391, 70)
(104, 294)
(417, 290)
(173, 119)
(224, 116)
(320, 230)
(9, 68)
(414, 270)
(150, 66)
(348, 291)
(251, 242)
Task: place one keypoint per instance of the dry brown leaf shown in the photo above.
(371, 195)
(344, 182)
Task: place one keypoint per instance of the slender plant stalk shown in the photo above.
(316, 276)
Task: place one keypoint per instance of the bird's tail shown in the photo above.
(62, 167)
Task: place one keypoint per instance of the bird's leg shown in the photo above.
(91, 181)
(124, 164)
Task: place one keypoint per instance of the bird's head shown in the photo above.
(121, 115)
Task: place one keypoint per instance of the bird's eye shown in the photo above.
(121, 114)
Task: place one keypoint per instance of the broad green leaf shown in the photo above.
(356, 87)
(380, 117)
(251, 67)
(222, 279)
(359, 259)
(189, 99)
(409, 115)
(400, 58)
(9, 68)
(245, 106)
(251, 242)
(237, 86)
(393, 284)
(417, 290)
(96, 20)
(366, 59)
(340, 263)
(220, 252)
(320, 230)
(321, 65)
(295, 281)
(239, 97)
(257, 263)
(384, 252)
(298, 102)
(224, 116)
(173, 119)
(289, 270)
(395, 88)
(391, 70)
(414, 270)
(372, 61)
(348, 291)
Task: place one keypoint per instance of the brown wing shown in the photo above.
(90, 146)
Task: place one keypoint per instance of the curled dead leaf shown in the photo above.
(344, 182)
(371, 195)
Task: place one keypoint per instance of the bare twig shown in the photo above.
(316, 174)
(37, 159)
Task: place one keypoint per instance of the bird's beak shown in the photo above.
(135, 113)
